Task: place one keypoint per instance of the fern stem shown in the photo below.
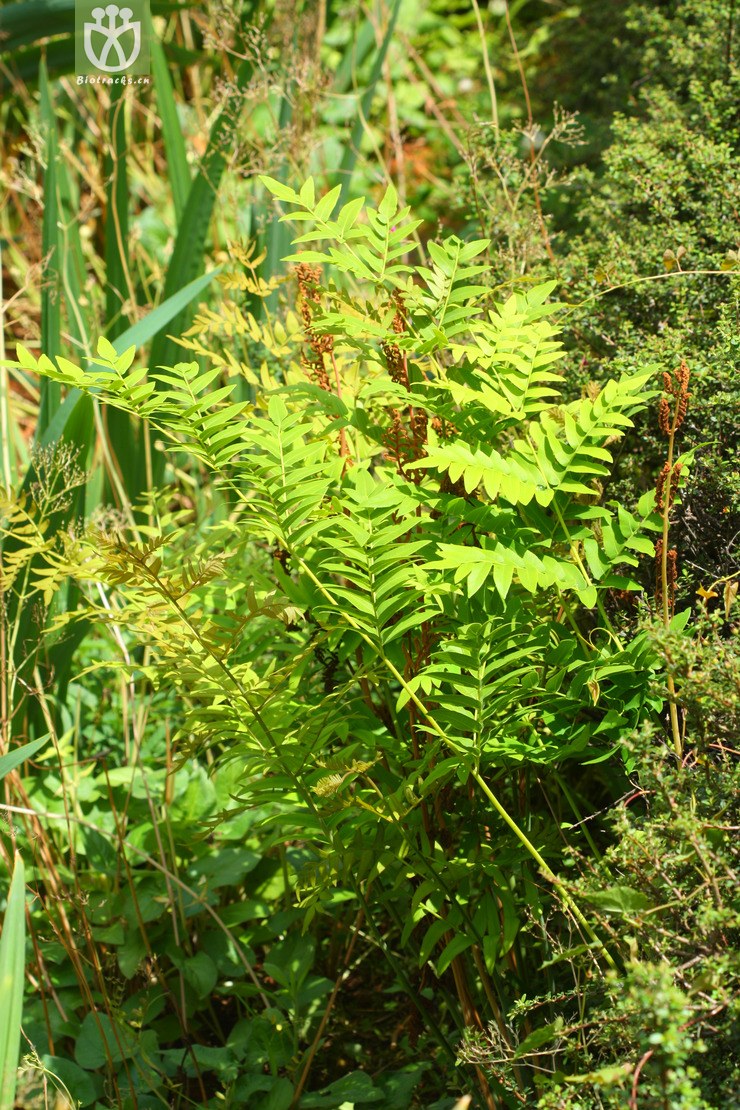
(574, 624)
(664, 585)
(565, 896)
(343, 448)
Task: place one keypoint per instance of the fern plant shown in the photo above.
(407, 621)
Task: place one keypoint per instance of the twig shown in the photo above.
(487, 64)
(530, 127)
(636, 1078)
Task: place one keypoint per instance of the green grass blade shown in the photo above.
(346, 168)
(73, 268)
(72, 421)
(174, 144)
(51, 250)
(143, 330)
(278, 235)
(11, 760)
(116, 219)
(189, 252)
(25, 23)
(12, 960)
(24, 66)
(123, 434)
(359, 47)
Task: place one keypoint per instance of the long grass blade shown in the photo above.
(116, 218)
(73, 268)
(359, 47)
(188, 256)
(174, 143)
(26, 24)
(278, 234)
(50, 299)
(73, 419)
(352, 149)
(12, 960)
(11, 760)
(123, 434)
(142, 331)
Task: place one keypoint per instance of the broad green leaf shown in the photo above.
(14, 758)
(456, 946)
(619, 900)
(545, 1035)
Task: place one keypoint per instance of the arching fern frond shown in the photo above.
(562, 448)
(367, 250)
(506, 363)
(372, 558)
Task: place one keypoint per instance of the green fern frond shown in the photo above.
(445, 310)
(572, 446)
(367, 251)
(510, 357)
(373, 562)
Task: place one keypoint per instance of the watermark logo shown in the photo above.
(111, 35)
(112, 39)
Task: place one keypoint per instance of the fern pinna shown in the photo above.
(411, 628)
